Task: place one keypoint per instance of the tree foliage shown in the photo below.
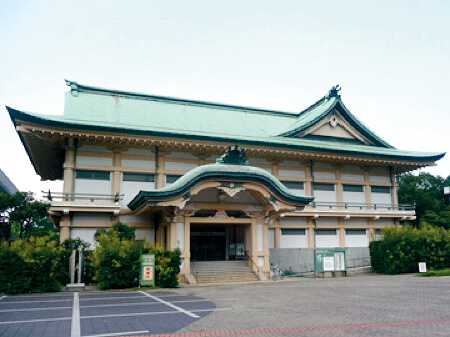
(23, 217)
(427, 193)
(402, 248)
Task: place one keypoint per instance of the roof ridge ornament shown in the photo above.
(233, 156)
(334, 91)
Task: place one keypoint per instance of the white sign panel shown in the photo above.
(339, 261)
(422, 267)
(328, 263)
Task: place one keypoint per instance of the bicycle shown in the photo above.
(275, 272)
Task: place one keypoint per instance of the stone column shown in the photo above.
(341, 234)
(187, 246)
(339, 192)
(311, 233)
(69, 168)
(159, 169)
(64, 228)
(277, 237)
(116, 173)
(308, 180)
(367, 186)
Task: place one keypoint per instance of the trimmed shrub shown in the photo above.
(403, 248)
(116, 260)
(30, 265)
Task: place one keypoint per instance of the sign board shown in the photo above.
(147, 271)
(329, 260)
(422, 267)
(446, 189)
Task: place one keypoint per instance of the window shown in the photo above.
(171, 178)
(353, 188)
(323, 187)
(292, 231)
(381, 189)
(93, 175)
(295, 185)
(139, 177)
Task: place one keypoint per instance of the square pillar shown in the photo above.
(277, 236)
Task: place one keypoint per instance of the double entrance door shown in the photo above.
(211, 242)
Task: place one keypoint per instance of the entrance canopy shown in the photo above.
(229, 176)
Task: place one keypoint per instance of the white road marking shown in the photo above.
(119, 333)
(36, 309)
(39, 320)
(184, 311)
(138, 303)
(114, 315)
(14, 302)
(76, 328)
(107, 298)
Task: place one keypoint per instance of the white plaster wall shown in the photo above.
(260, 237)
(327, 239)
(96, 161)
(294, 241)
(147, 234)
(271, 238)
(91, 186)
(180, 236)
(290, 220)
(131, 188)
(356, 238)
(138, 152)
(85, 234)
(91, 217)
(327, 221)
(184, 155)
(325, 175)
(380, 198)
(356, 222)
(91, 148)
(291, 173)
(380, 179)
(146, 164)
(354, 197)
(352, 177)
(325, 196)
(180, 166)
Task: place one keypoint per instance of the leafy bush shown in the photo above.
(116, 260)
(30, 265)
(403, 248)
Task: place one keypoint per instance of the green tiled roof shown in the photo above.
(92, 108)
(221, 172)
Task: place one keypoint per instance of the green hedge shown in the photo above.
(116, 260)
(403, 248)
(30, 265)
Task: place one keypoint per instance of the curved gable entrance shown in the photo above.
(219, 211)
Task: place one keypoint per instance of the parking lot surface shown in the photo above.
(349, 306)
(99, 313)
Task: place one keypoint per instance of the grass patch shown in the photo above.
(435, 273)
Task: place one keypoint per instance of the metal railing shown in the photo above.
(362, 206)
(248, 258)
(61, 196)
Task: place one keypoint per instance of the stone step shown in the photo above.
(223, 278)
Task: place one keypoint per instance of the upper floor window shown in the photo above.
(353, 188)
(294, 185)
(139, 177)
(380, 189)
(93, 175)
(171, 178)
(323, 187)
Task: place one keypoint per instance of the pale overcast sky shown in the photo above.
(392, 59)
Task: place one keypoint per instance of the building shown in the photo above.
(6, 185)
(317, 178)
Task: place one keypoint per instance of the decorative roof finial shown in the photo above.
(334, 91)
(235, 156)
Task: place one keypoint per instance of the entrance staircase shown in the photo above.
(222, 271)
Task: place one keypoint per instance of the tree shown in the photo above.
(23, 216)
(427, 193)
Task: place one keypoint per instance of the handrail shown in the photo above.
(247, 257)
(361, 206)
(63, 196)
